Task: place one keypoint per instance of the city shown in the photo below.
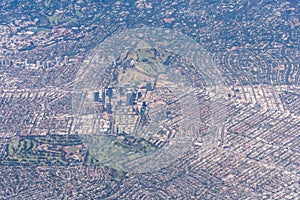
(255, 48)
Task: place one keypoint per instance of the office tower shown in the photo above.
(129, 98)
(108, 108)
(127, 85)
(96, 96)
(103, 97)
(121, 90)
(109, 92)
(148, 86)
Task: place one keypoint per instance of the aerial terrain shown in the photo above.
(150, 99)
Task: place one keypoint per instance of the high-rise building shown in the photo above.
(44, 65)
(127, 85)
(58, 60)
(148, 86)
(129, 98)
(134, 86)
(133, 98)
(66, 60)
(103, 97)
(108, 108)
(6, 62)
(38, 64)
(48, 64)
(139, 95)
(121, 90)
(96, 96)
(109, 92)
